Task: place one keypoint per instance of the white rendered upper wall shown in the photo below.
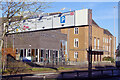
(81, 17)
(67, 19)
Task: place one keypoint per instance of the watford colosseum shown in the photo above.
(56, 38)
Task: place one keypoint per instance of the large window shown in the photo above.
(24, 52)
(76, 30)
(76, 42)
(29, 53)
(94, 43)
(21, 52)
(75, 55)
(98, 43)
(42, 55)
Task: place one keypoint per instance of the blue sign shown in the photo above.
(62, 19)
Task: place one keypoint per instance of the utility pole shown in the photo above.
(90, 43)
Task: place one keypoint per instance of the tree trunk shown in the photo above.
(2, 57)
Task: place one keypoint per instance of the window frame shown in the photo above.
(76, 55)
(76, 42)
(76, 30)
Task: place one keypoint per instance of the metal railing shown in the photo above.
(62, 73)
(77, 72)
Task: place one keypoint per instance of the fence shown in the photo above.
(62, 73)
(77, 72)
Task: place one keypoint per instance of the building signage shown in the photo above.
(62, 19)
(44, 21)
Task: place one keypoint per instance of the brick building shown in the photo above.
(77, 38)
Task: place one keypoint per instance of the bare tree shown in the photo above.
(11, 10)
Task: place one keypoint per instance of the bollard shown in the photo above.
(112, 72)
(20, 77)
(102, 72)
(77, 74)
(62, 75)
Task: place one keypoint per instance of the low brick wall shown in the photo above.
(85, 64)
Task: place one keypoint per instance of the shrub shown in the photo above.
(15, 67)
(42, 69)
(61, 68)
(108, 59)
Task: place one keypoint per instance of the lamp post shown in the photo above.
(90, 43)
(114, 31)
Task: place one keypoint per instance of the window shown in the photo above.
(75, 55)
(29, 53)
(76, 30)
(94, 43)
(98, 43)
(76, 42)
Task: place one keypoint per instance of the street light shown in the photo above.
(90, 43)
(114, 31)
